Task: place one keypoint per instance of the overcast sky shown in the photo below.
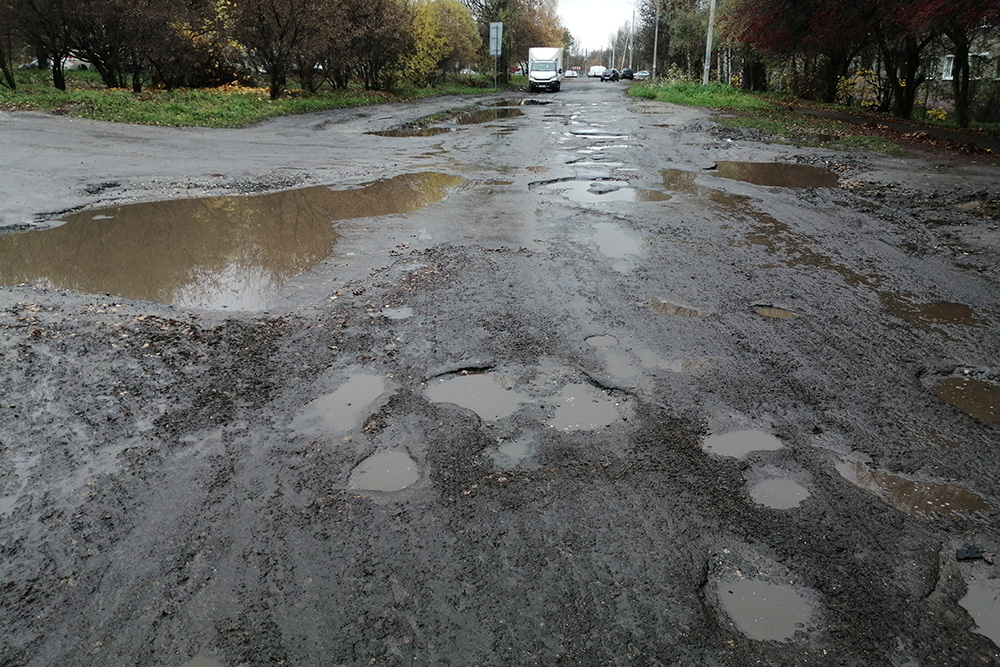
(592, 22)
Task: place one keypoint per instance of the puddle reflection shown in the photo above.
(763, 611)
(214, 252)
(977, 398)
(776, 174)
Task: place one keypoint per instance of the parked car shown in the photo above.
(641, 74)
(609, 75)
(571, 74)
(627, 73)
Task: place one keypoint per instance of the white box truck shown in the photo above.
(545, 68)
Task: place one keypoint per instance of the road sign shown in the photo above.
(496, 38)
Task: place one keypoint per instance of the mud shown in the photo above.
(220, 482)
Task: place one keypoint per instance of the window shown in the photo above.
(980, 66)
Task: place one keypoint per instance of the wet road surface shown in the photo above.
(575, 381)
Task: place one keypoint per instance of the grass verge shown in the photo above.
(774, 121)
(229, 106)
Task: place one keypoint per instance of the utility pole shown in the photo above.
(708, 44)
(656, 35)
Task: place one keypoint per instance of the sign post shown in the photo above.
(496, 45)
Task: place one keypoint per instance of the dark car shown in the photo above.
(627, 73)
(610, 75)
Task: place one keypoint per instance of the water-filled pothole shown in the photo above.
(776, 174)
(779, 493)
(385, 471)
(483, 393)
(214, 252)
(340, 411)
(512, 453)
(671, 308)
(977, 398)
(926, 314)
(603, 191)
(982, 601)
(616, 241)
(487, 115)
(602, 341)
(910, 496)
(738, 444)
(582, 407)
(764, 611)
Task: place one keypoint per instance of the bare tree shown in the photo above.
(48, 25)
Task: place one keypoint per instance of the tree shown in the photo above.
(961, 21)
(47, 25)
(380, 40)
(8, 41)
(445, 37)
(272, 32)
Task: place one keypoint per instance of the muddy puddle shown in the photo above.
(670, 308)
(483, 393)
(913, 497)
(341, 410)
(778, 493)
(982, 601)
(776, 174)
(601, 191)
(738, 444)
(212, 253)
(488, 115)
(583, 407)
(931, 313)
(385, 471)
(763, 611)
(977, 398)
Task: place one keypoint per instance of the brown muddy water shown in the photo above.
(977, 398)
(913, 497)
(776, 174)
(211, 253)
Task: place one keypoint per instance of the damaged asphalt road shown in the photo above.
(580, 384)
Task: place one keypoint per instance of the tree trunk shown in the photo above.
(58, 75)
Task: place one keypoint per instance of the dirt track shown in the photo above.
(642, 409)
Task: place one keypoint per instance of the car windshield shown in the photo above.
(544, 67)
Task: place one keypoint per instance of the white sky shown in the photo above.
(592, 22)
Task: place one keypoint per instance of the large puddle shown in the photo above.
(212, 253)
(483, 393)
(776, 174)
(738, 444)
(982, 601)
(977, 398)
(764, 611)
(910, 496)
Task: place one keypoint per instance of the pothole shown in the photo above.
(775, 312)
(340, 411)
(600, 191)
(978, 398)
(776, 174)
(913, 497)
(982, 601)
(670, 308)
(385, 471)
(763, 611)
(582, 407)
(411, 131)
(488, 115)
(483, 393)
(778, 493)
(215, 252)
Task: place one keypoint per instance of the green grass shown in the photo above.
(713, 96)
(772, 118)
(86, 97)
